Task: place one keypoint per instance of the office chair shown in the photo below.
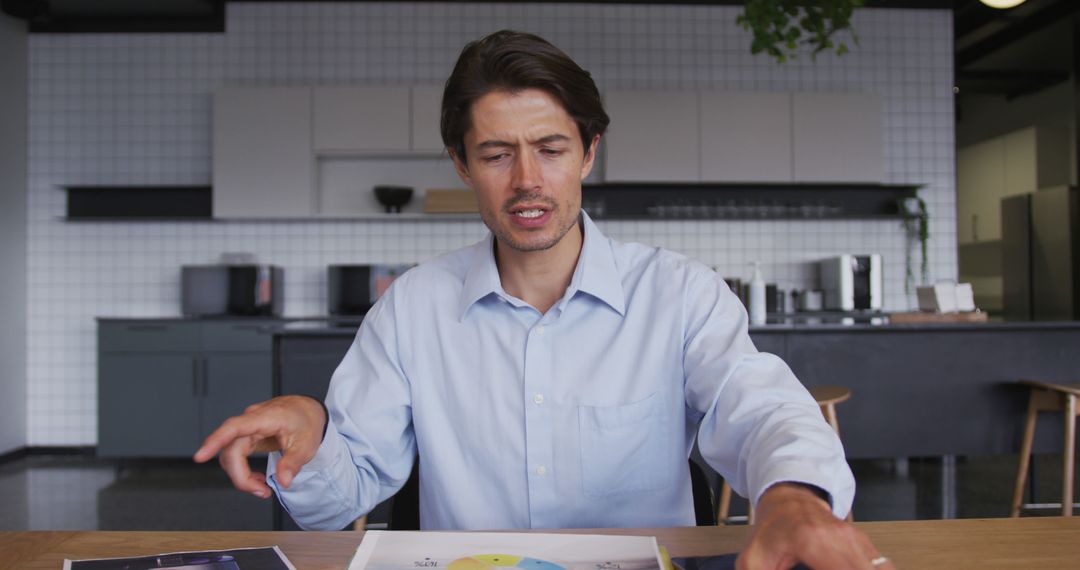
(405, 509)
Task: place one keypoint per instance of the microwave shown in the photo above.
(353, 289)
(852, 282)
(231, 290)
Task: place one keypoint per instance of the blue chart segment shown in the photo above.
(501, 562)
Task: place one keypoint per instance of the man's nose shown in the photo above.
(526, 172)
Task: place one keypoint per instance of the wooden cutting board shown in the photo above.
(926, 317)
(450, 201)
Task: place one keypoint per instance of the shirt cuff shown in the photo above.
(328, 454)
(838, 492)
(818, 491)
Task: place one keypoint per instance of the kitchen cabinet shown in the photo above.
(361, 119)
(654, 136)
(1015, 163)
(163, 386)
(666, 136)
(263, 161)
(836, 137)
(746, 137)
(426, 105)
(895, 372)
(277, 150)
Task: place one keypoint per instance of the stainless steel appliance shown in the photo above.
(1040, 244)
(353, 289)
(852, 282)
(232, 290)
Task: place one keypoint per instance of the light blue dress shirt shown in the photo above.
(581, 417)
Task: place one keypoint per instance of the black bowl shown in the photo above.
(393, 197)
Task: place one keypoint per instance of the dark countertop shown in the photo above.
(315, 320)
(881, 324)
(794, 322)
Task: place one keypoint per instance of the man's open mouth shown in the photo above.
(529, 213)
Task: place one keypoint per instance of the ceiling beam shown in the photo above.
(1025, 26)
(1011, 83)
(970, 15)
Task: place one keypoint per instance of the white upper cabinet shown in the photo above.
(361, 119)
(665, 136)
(426, 111)
(837, 137)
(263, 163)
(746, 137)
(653, 136)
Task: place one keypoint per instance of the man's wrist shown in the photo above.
(803, 488)
(326, 417)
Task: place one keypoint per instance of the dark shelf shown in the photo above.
(745, 201)
(118, 203)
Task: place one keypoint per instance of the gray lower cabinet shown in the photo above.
(164, 386)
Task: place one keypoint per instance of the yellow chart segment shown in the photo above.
(501, 561)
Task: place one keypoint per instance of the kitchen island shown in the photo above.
(918, 389)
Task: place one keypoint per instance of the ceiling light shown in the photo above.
(1002, 3)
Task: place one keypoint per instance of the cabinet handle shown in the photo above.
(205, 377)
(260, 329)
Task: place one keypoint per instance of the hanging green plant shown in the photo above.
(916, 221)
(780, 26)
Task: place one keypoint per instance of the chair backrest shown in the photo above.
(405, 510)
(704, 509)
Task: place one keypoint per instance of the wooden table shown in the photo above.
(1040, 542)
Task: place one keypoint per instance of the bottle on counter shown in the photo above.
(757, 296)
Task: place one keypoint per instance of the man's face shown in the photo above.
(526, 162)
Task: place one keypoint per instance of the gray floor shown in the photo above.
(84, 493)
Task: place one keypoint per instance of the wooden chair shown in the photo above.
(1048, 397)
(827, 398)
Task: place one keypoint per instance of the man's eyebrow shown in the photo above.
(495, 143)
(492, 144)
(551, 138)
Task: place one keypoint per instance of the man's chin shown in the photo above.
(528, 245)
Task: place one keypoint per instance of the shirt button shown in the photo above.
(540, 329)
(541, 470)
(538, 398)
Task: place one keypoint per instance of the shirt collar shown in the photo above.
(596, 273)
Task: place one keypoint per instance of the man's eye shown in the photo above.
(552, 151)
(494, 157)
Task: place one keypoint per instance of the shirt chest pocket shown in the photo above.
(622, 447)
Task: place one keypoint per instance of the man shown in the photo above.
(549, 376)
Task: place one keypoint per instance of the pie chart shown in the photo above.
(500, 562)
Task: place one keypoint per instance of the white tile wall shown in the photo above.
(135, 109)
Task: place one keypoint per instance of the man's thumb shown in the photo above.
(286, 471)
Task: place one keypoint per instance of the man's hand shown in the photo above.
(794, 525)
(290, 424)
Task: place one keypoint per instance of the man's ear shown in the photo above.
(461, 168)
(590, 157)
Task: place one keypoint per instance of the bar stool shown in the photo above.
(1049, 397)
(827, 398)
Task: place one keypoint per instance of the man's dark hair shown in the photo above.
(512, 61)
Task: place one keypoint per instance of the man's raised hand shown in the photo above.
(293, 425)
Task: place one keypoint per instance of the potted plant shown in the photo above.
(780, 26)
(916, 221)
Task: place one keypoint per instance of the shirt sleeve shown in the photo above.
(369, 447)
(758, 425)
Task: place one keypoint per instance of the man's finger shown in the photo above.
(235, 463)
(232, 429)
